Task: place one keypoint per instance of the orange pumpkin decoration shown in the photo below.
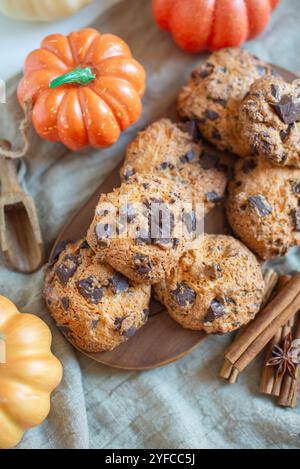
(212, 24)
(85, 88)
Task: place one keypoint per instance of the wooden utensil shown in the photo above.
(161, 340)
(20, 234)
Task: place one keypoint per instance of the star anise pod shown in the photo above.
(282, 358)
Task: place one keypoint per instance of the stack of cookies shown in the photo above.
(145, 234)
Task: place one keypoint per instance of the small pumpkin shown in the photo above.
(28, 372)
(85, 88)
(212, 24)
(40, 10)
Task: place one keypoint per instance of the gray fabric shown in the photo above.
(183, 404)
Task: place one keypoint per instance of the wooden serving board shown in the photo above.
(161, 340)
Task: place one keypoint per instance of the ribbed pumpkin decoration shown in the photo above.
(29, 372)
(85, 88)
(212, 24)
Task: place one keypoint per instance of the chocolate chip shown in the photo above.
(65, 302)
(146, 185)
(215, 310)
(248, 166)
(119, 283)
(284, 134)
(287, 109)
(129, 332)
(188, 157)
(103, 232)
(128, 173)
(142, 263)
(84, 245)
(295, 214)
(260, 204)
(118, 322)
(163, 165)
(216, 135)
(213, 271)
(58, 250)
(205, 73)
(184, 295)
(94, 324)
(295, 186)
(220, 101)
(144, 269)
(208, 160)
(88, 289)
(67, 269)
(275, 91)
(212, 196)
(211, 115)
(191, 127)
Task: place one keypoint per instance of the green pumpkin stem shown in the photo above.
(82, 76)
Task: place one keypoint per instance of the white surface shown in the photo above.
(17, 38)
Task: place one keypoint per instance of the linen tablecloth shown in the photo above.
(184, 404)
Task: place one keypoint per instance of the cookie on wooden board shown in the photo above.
(94, 306)
(217, 286)
(170, 150)
(263, 206)
(140, 228)
(214, 93)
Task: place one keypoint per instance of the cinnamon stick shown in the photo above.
(260, 331)
(255, 336)
(270, 384)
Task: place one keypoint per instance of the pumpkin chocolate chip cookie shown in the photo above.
(263, 206)
(168, 150)
(217, 286)
(214, 93)
(96, 307)
(140, 228)
(270, 117)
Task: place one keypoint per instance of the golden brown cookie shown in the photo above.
(140, 229)
(94, 306)
(263, 206)
(217, 286)
(214, 93)
(168, 150)
(270, 117)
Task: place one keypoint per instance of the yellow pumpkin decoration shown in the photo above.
(29, 372)
(41, 10)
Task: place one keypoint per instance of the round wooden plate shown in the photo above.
(161, 340)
